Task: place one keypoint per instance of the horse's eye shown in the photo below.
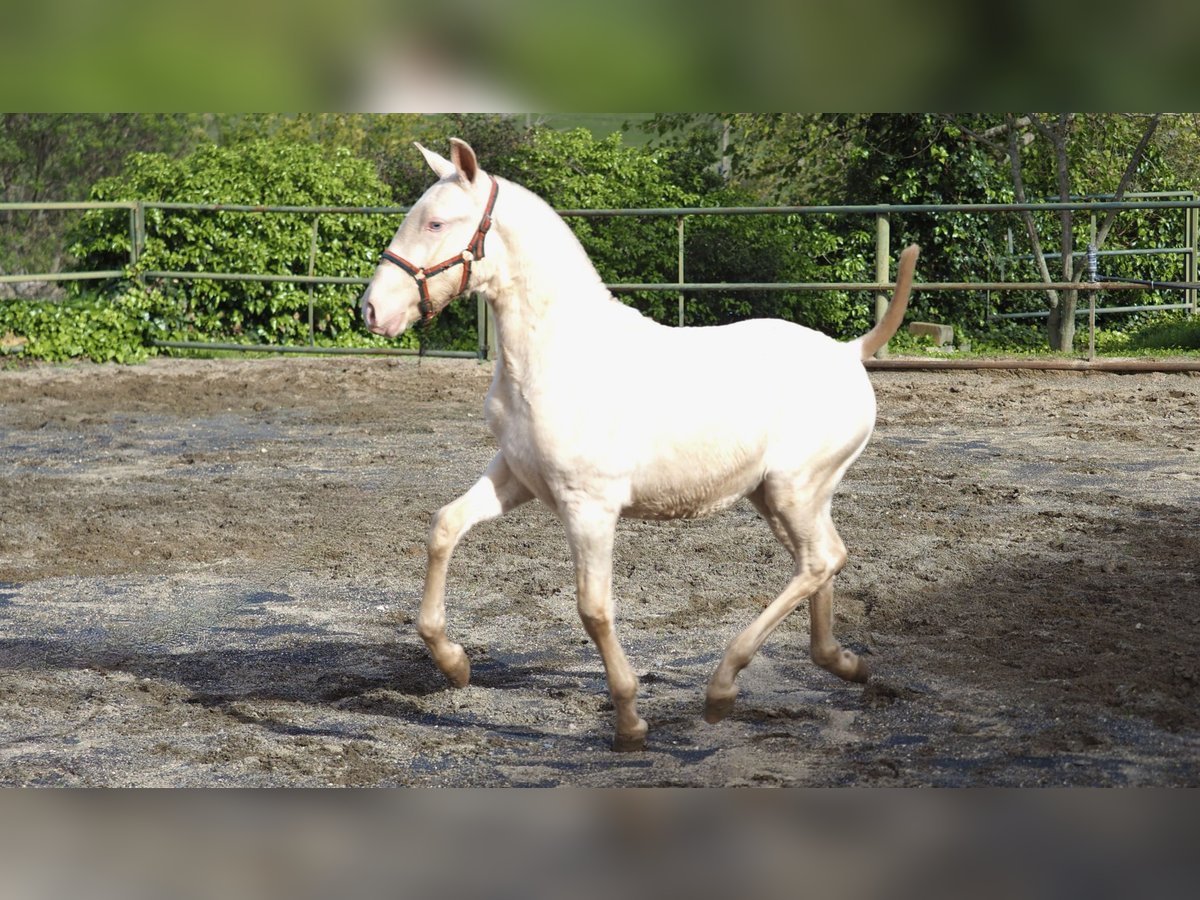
(436, 225)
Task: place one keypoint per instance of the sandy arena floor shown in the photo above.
(209, 572)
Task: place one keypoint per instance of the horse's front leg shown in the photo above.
(590, 533)
(491, 496)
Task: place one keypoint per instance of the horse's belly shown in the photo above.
(679, 506)
(684, 491)
(668, 461)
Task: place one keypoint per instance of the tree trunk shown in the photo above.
(1060, 327)
(1054, 325)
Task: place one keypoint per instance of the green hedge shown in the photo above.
(264, 172)
(102, 329)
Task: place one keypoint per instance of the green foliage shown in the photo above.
(575, 170)
(111, 329)
(793, 159)
(57, 156)
(921, 158)
(1002, 336)
(1176, 333)
(789, 158)
(778, 249)
(1173, 330)
(265, 172)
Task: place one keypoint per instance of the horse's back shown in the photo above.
(712, 410)
(758, 366)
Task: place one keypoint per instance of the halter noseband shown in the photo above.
(422, 274)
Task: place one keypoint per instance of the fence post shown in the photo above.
(137, 234)
(882, 267)
(312, 261)
(1091, 294)
(481, 330)
(681, 281)
(1194, 247)
(485, 328)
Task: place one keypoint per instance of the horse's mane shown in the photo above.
(540, 236)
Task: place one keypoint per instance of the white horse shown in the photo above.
(600, 413)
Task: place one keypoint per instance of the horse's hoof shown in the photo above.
(717, 708)
(846, 665)
(458, 668)
(629, 743)
(632, 741)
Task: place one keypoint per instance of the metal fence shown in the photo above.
(1191, 226)
(1187, 203)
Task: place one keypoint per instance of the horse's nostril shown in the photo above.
(369, 313)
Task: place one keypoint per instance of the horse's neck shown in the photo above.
(549, 291)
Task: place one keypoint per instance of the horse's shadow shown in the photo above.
(329, 684)
(336, 680)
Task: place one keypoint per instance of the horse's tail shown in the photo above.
(870, 342)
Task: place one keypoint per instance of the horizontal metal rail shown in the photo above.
(61, 276)
(65, 205)
(890, 285)
(843, 209)
(700, 286)
(629, 287)
(246, 276)
(1100, 310)
(1043, 364)
(1149, 251)
(829, 209)
(266, 208)
(317, 350)
(886, 209)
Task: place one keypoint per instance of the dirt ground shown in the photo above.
(209, 573)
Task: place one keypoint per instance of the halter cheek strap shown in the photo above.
(422, 274)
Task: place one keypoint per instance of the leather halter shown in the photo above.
(422, 274)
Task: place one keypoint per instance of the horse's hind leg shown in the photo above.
(824, 648)
(806, 530)
(491, 496)
(722, 687)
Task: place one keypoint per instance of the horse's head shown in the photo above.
(432, 258)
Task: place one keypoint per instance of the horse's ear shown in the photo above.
(464, 160)
(441, 166)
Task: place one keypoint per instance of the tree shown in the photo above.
(386, 140)
(868, 159)
(58, 157)
(920, 158)
(1076, 154)
(872, 159)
